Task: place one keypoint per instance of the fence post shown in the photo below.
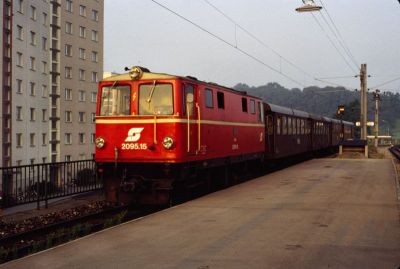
(37, 191)
(45, 186)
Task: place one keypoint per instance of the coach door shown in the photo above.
(193, 122)
(270, 134)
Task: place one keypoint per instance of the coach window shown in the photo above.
(155, 99)
(244, 104)
(302, 127)
(284, 125)
(115, 101)
(220, 100)
(289, 123)
(252, 106)
(209, 98)
(278, 125)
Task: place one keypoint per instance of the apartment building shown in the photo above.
(56, 62)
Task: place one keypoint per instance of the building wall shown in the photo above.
(31, 82)
(77, 48)
(37, 98)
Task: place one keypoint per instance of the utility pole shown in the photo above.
(376, 126)
(364, 94)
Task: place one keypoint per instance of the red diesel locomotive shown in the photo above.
(157, 134)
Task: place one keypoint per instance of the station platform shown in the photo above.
(323, 213)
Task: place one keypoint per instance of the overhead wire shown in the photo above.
(257, 39)
(333, 44)
(385, 83)
(229, 44)
(339, 36)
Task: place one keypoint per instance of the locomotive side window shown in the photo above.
(260, 112)
(244, 104)
(115, 101)
(220, 100)
(252, 107)
(209, 98)
(155, 99)
(188, 102)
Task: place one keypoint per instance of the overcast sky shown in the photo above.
(140, 32)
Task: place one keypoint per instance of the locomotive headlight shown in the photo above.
(168, 142)
(99, 142)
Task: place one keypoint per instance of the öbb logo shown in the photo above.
(133, 134)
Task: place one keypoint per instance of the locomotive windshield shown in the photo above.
(115, 101)
(155, 99)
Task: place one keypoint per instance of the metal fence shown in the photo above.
(41, 182)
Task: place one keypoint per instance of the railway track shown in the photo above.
(395, 150)
(28, 242)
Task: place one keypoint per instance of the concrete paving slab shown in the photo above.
(324, 213)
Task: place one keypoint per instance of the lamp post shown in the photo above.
(376, 127)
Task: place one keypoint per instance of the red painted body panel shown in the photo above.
(223, 132)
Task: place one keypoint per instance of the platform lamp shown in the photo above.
(309, 6)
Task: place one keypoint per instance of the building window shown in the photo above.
(32, 161)
(44, 115)
(68, 138)
(92, 138)
(82, 10)
(44, 91)
(94, 97)
(81, 138)
(82, 31)
(19, 113)
(82, 74)
(20, 61)
(44, 17)
(20, 6)
(32, 63)
(44, 159)
(81, 117)
(68, 94)
(18, 140)
(44, 67)
(32, 139)
(68, 158)
(68, 116)
(44, 139)
(68, 50)
(68, 72)
(95, 36)
(82, 53)
(95, 57)
(19, 85)
(33, 38)
(32, 114)
(33, 13)
(20, 32)
(82, 96)
(68, 5)
(95, 77)
(93, 117)
(68, 27)
(44, 43)
(95, 15)
(32, 88)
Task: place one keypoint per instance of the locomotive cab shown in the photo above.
(145, 126)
